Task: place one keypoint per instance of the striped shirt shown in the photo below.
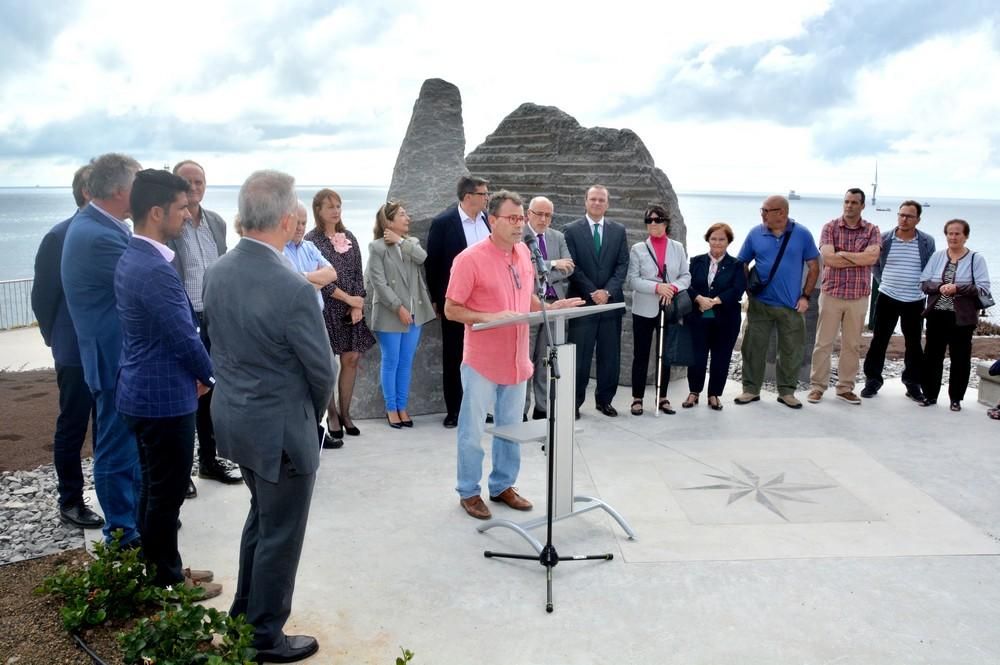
(947, 303)
(202, 252)
(853, 282)
(901, 274)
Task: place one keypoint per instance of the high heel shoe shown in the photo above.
(692, 400)
(714, 403)
(335, 433)
(405, 423)
(392, 424)
(350, 429)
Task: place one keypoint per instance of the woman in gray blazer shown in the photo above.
(401, 304)
(657, 271)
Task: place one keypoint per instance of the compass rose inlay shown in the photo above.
(769, 493)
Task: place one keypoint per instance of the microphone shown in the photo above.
(536, 255)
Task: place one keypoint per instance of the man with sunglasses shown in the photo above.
(493, 280)
(781, 304)
(905, 252)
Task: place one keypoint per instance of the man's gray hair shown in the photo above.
(111, 173)
(503, 195)
(265, 198)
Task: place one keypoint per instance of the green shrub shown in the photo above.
(189, 635)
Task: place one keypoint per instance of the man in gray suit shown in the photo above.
(274, 375)
(555, 252)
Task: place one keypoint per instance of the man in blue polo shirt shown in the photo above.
(782, 302)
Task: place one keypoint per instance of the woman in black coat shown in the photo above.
(717, 286)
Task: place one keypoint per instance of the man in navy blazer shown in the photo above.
(600, 253)
(456, 228)
(76, 405)
(95, 241)
(164, 369)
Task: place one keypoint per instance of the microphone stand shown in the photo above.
(548, 557)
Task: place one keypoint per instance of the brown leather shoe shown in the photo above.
(209, 589)
(199, 575)
(512, 499)
(476, 508)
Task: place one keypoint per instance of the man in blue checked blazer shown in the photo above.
(95, 241)
(164, 369)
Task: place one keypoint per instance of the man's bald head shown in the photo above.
(540, 211)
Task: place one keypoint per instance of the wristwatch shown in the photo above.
(805, 295)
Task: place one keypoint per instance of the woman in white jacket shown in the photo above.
(657, 272)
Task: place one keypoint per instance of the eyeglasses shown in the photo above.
(906, 215)
(543, 215)
(513, 219)
(655, 220)
(765, 211)
(513, 273)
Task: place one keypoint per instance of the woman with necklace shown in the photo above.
(343, 306)
(717, 286)
(952, 281)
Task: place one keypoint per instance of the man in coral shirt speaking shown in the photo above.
(493, 280)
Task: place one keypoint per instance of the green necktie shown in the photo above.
(597, 238)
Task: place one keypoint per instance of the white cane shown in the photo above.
(659, 360)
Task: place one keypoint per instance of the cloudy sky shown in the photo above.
(728, 96)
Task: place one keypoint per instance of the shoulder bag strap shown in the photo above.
(662, 270)
(781, 252)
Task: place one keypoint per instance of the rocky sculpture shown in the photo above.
(540, 150)
(430, 161)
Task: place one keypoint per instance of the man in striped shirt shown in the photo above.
(849, 246)
(905, 252)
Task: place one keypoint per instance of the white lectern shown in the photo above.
(565, 502)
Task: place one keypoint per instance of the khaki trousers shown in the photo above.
(847, 317)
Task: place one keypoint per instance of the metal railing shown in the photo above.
(15, 303)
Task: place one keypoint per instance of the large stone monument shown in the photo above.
(540, 150)
(431, 159)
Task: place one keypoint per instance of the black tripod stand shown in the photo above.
(548, 557)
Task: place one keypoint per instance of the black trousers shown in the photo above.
(603, 333)
(76, 410)
(203, 423)
(270, 549)
(166, 451)
(889, 311)
(942, 333)
(452, 345)
(715, 336)
(644, 334)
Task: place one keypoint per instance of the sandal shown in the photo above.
(956, 405)
(692, 400)
(665, 406)
(714, 403)
(994, 413)
(636, 407)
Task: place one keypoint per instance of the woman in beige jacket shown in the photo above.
(401, 304)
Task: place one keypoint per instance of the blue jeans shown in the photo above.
(397, 363)
(117, 477)
(479, 394)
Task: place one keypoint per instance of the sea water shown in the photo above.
(27, 213)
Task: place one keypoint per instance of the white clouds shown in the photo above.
(726, 95)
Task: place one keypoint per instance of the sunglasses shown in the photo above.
(655, 220)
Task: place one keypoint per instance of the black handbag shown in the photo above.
(754, 284)
(983, 295)
(678, 348)
(681, 304)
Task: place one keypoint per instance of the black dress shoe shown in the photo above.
(489, 418)
(538, 414)
(295, 648)
(578, 414)
(192, 491)
(331, 443)
(607, 410)
(450, 421)
(214, 470)
(80, 516)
